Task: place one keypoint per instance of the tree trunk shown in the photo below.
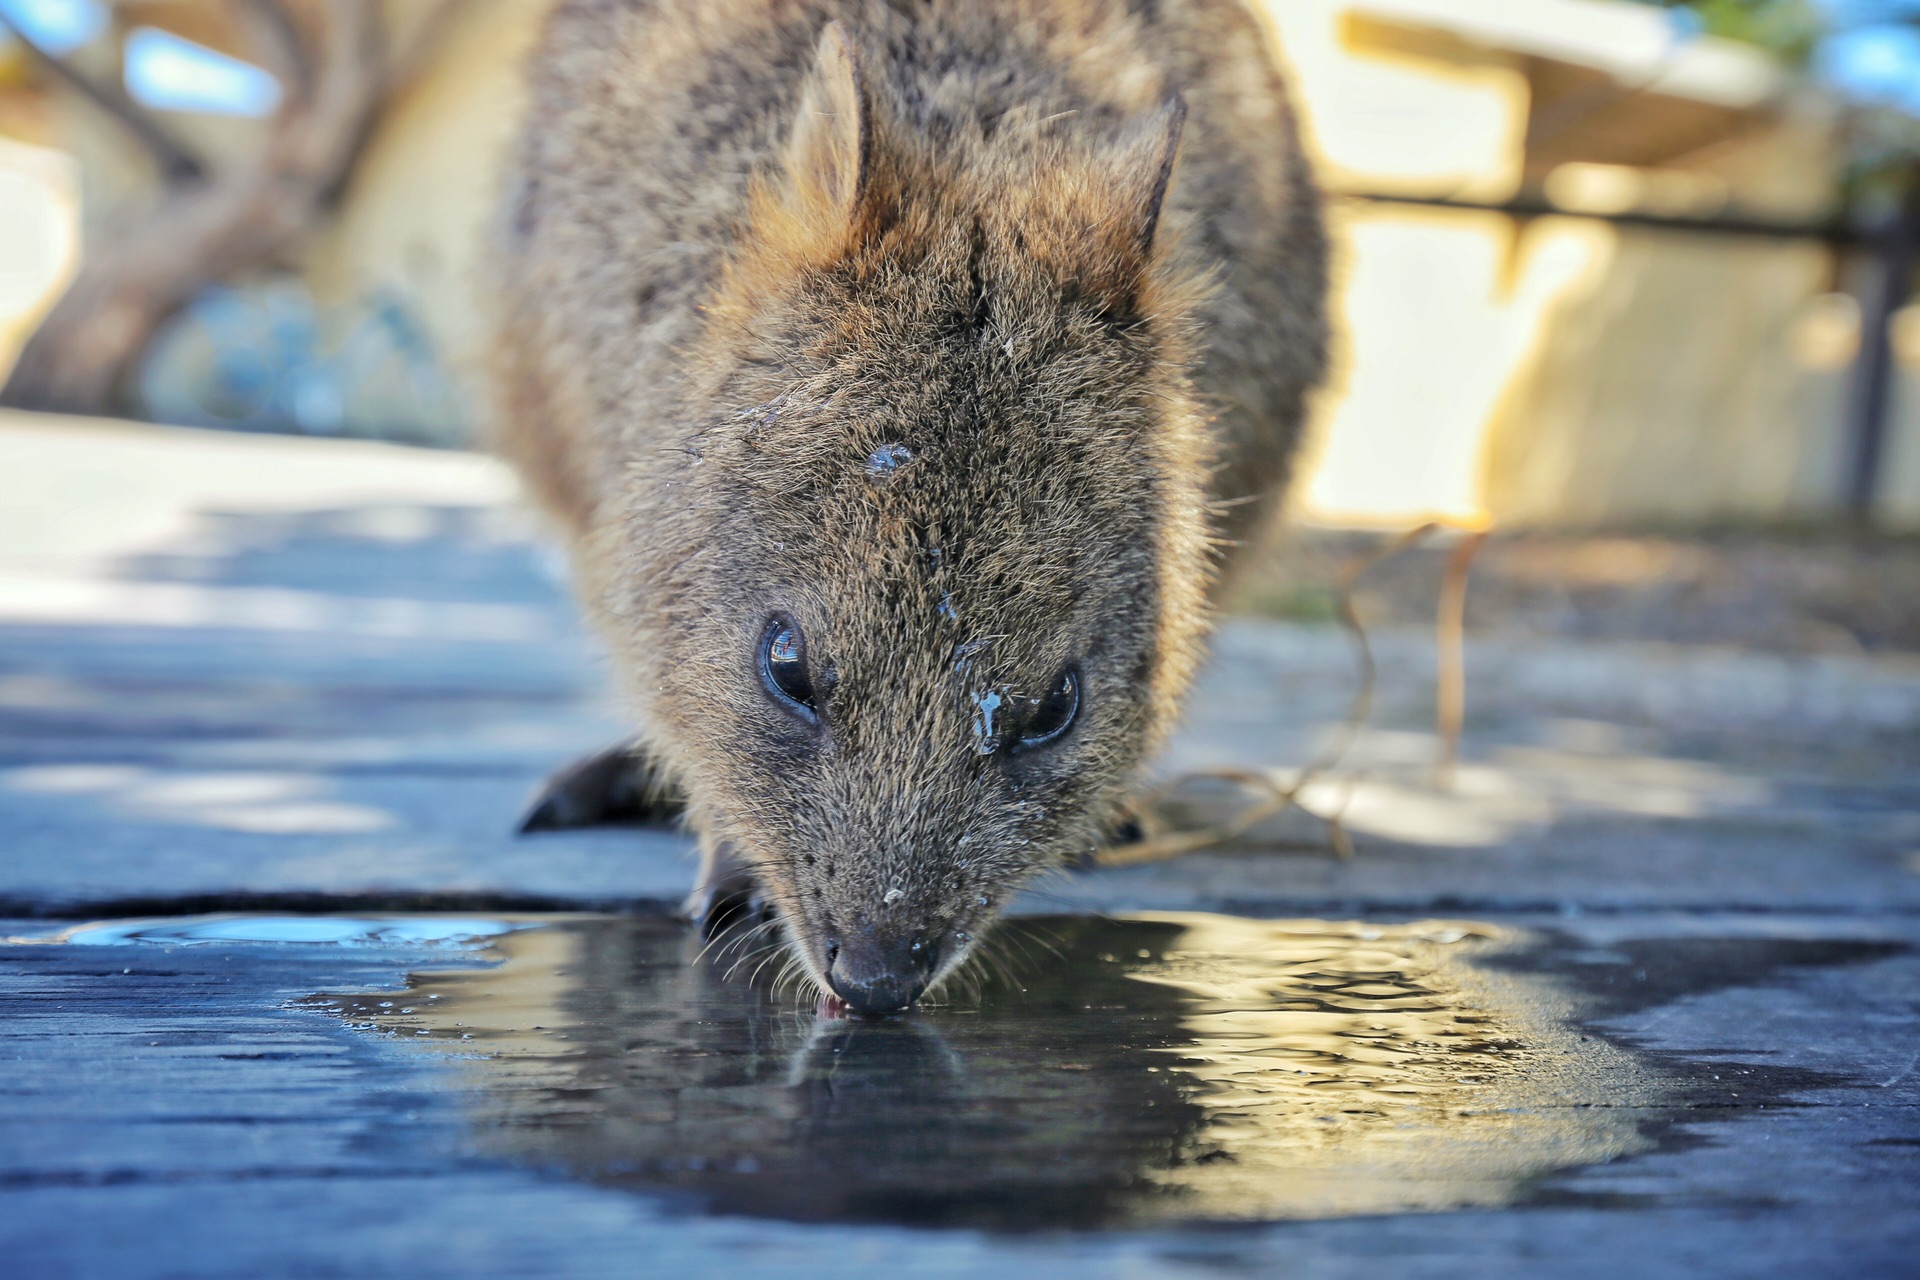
(329, 59)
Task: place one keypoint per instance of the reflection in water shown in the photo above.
(1153, 1068)
(341, 931)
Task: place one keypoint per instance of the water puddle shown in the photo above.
(1110, 1073)
(339, 931)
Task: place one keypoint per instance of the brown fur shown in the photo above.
(751, 242)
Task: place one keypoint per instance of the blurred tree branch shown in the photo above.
(1787, 28)
(209, 224)
(274, 34)
(175, 161)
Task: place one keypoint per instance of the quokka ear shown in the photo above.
(830, 152)
(1151, 164)
(1103, 225)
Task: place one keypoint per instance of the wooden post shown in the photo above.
(1870, 392)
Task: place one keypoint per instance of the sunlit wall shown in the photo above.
(1563, 370)
(39, 238)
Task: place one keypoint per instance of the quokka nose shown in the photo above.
(875, 977)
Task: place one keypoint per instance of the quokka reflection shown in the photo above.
(1145, 1069)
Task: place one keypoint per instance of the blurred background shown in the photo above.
(1632, 282)
(1625, 302)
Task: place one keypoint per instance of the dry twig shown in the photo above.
(1450, 649)
(1161, 845)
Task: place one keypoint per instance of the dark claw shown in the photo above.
(1125, 830)
(620, 787)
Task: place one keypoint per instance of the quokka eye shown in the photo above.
(783, 667)
(1052, 714)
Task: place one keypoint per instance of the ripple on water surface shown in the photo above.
(1152, 1068)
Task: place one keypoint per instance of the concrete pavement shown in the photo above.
(254, 673)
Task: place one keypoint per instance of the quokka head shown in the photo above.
(935, 574)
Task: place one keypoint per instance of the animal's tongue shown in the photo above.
(831, 1006)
